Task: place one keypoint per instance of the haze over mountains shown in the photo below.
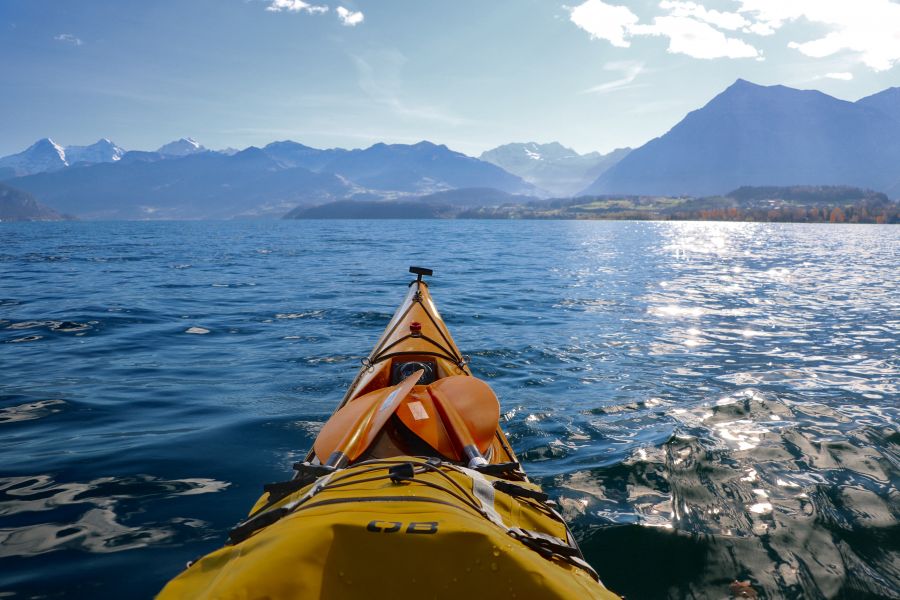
(552, 167)
(746, 135)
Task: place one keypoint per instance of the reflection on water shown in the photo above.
(714, 404)
(30, 410)
(802, 499)
(91, 513)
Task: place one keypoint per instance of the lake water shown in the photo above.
(709, 402)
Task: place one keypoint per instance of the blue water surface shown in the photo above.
(714, 405)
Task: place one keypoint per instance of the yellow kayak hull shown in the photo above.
(366, 536)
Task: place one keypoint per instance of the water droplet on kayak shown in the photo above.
(496, 551)
(493, 566)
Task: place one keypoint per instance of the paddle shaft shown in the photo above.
(350, 446)
(458, 429)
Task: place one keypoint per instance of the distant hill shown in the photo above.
(16, 205)
(367, 209)
(445, 204)
(473, 197)
(796, 204)
(755, 135)
(553, 167)
(791, 204)
(804, 195)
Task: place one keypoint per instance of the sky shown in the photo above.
(471, 74)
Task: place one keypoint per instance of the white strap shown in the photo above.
(484, 491)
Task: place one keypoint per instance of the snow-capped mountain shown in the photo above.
(533, 151)
(101, 151)
(552, 167)
(182, 147)
(43, 155)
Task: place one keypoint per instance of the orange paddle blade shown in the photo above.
(354, 427)
(419, 414)
(470, 409)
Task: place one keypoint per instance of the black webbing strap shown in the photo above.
(549, 546)
(519, 491)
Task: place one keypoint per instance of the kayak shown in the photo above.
(411, 490)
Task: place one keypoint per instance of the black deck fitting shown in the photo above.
(420, 271)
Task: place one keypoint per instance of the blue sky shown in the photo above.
(592, 74)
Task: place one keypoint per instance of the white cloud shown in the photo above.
(348, 17)
(687, 26)
(843, 76)
(605, 21)
(869, 28)
(723, 20)
(760, 29)
(68, 38)
(629, 70)
(696, 38)
(295, 6)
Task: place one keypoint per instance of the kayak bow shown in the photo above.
(410, 491)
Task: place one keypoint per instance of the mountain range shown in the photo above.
(748, 135)
(47, 155)
(767, 135)
(415, 169)
(183, 180)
